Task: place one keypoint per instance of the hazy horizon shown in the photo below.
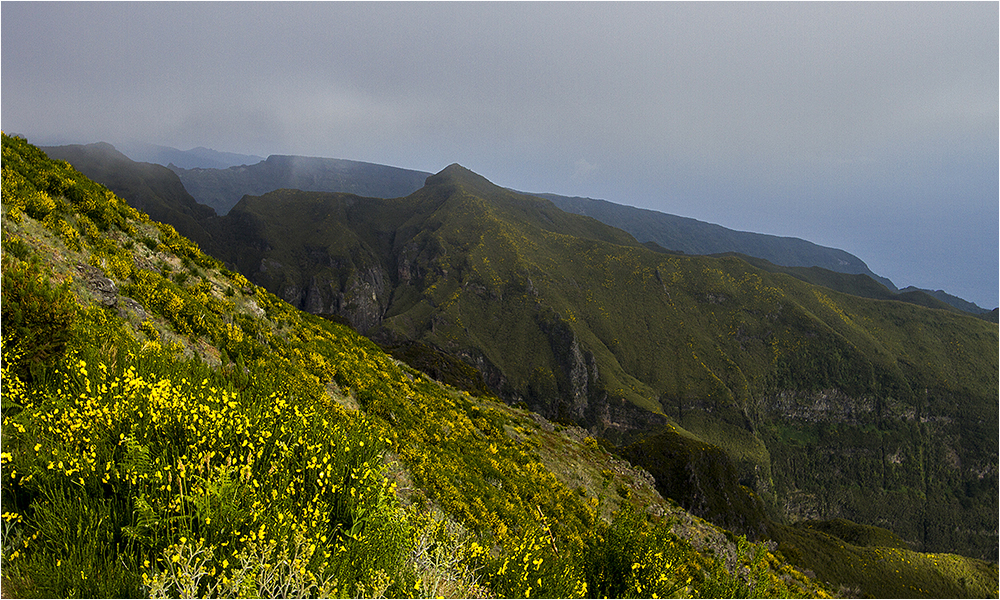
(872, 128)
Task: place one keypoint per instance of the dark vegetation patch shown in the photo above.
(440, 365)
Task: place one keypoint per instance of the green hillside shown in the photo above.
(866, 287)
(690, 236)
(151, 188)
(954, 301)
(171, 429)
(586, 326)
(179, 399)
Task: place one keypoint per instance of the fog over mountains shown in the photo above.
(866, 127)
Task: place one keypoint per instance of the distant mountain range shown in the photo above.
(691, 236)
(222, 187)
(195, 158)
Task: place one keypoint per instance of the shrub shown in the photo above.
(17, 247)
(260, 570)
(38, 205)
(37, 317)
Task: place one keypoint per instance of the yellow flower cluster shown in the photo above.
(200, 459)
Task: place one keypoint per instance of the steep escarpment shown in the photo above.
(303, 247)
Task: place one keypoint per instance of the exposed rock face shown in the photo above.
(575, 377)
(408, 271)
(127, 306)
(331, 285)
(619, 420)
(313, 301)
(104, 289)
(362, 300)
(365, 298)
(859, 458)
(106, 293)
(831, 406)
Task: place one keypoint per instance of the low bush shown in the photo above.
(38, 317)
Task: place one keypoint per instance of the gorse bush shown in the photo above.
(37, 316)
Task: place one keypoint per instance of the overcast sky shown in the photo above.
(867, 127)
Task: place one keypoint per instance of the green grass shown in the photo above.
(884, 571)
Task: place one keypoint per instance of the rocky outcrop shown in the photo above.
(365, 298)
(106, 293)
(104, 289)
(331, 285)
(827, 406)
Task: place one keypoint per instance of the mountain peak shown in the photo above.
(457, 174)
(454, 169)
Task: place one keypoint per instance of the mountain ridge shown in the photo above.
(199, 157)
(952, 300)
(219, 189)
(692, 236)
(151, 188)
(222, 188)
(593, 328)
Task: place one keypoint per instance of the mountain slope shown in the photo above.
(835, 431)
(190, 434)
(222, 188)
(697, 237)
(151, 188)
(585, 325)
